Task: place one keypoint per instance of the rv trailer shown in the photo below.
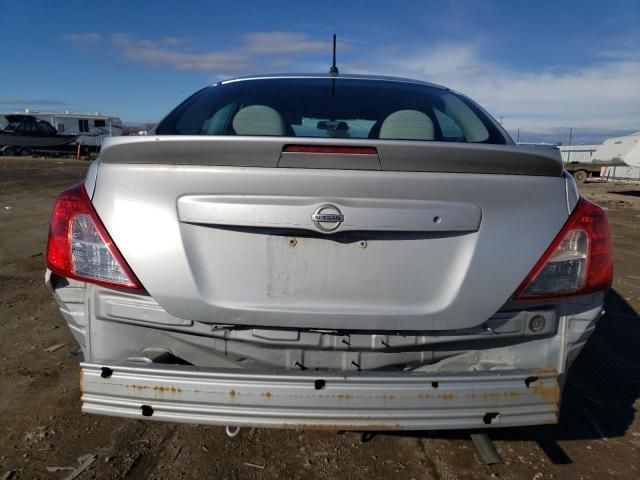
(91, 128)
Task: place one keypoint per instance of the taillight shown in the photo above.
(577, 262)
(336, 149)
(79, 246)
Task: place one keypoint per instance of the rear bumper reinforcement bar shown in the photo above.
(321, 400)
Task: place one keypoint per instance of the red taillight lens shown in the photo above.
(336, 149)
(577, 262)
(79, 246)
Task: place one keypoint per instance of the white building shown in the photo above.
(577, 153)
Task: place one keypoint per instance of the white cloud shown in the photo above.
(593, 95)
(83, 40)
(602, 94)
(281, 43)
(253, 49)
(170, 53)
(30, 101)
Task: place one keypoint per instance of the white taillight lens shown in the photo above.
(565, 271)
(90, 255)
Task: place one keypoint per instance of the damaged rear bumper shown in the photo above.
(322, 400)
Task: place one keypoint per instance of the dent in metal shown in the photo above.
(477, 387)
(124, 324)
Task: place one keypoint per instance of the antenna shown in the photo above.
(334, 70)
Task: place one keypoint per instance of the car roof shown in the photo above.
(379, 78)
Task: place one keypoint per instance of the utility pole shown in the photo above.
(518, 135)
(500, 119)
(570, 138)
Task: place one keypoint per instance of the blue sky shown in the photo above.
(542, 66)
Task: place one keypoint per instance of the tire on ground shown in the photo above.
(9, 151)
(580, 176)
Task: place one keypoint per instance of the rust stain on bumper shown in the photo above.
(157, 388)
(342, 407)
(340, 426)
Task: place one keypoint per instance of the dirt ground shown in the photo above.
(41, 425)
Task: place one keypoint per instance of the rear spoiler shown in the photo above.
(392, 155)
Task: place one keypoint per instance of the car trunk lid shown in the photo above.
(437, 237)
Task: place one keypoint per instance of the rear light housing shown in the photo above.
(79, 246)
(578, 261)
(332, 149)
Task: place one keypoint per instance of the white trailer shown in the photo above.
(92, 128)
(624, 150)
(620, 149)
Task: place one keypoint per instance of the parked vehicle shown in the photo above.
(90, 128)
(340, 252)
(23, 133)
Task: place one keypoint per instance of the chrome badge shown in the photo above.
(327, 218)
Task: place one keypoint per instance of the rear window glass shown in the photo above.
(331, 108)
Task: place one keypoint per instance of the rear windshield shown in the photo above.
(331, 108)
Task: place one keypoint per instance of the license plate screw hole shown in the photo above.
(434, 384)
(106, 372)
(319, 384)
(292, 242)
(362, 244)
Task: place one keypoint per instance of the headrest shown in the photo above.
(258, 120)
(407, 125)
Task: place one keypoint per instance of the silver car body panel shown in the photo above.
(91, 177)
(572, 192)
(425, 279)
(361, 214)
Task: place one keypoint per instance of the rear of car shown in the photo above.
(322, 252)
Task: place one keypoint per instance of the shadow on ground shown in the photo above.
(602, 387)
(629, 193)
